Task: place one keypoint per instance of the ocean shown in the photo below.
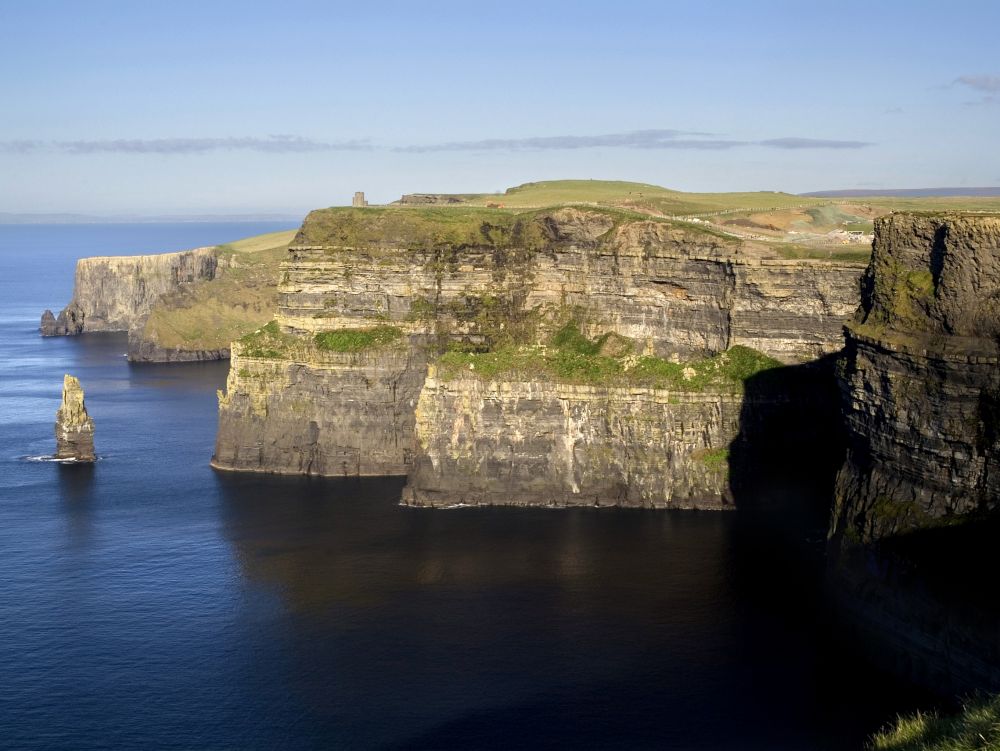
(148, 601)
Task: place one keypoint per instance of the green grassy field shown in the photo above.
(639, 196)
(643, 195)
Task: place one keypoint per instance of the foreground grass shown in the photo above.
(976, 728)
(573, 358)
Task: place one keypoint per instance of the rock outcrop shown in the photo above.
(116, 293)
(920, 379)
(74, 427)
(494, 281)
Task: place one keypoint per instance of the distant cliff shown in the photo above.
(920, 378)
(179, 306)
(116, 293)
(595, 347)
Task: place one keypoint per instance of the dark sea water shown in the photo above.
(150, 602)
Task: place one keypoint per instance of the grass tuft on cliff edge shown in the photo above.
(356, 340)
(270, 343)
(571, 357)
(976, 728)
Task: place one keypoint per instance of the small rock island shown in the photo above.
(74, 427)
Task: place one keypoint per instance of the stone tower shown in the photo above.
(359, 199)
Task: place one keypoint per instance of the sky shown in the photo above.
(236, 107)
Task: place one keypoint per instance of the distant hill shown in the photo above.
(620, 194)
(907, 193)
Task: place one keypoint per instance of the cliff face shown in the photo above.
(117, 293)
(645, 294)
(532, 442)
(671, 289)
(920, 380)
(325, 413)
(74, 427)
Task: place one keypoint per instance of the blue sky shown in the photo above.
(207, 107)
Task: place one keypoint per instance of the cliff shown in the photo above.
(74, 427)
(116, 293)
(558, 444)
(293, 407)
(179, 306)
(914, 522)
(920, 381)
(595, 337)
(672, 288)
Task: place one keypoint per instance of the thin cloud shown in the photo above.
(637, 139)
(812, 143)
(985, 83)
(276, 144)
(288, 144)
(20, 147)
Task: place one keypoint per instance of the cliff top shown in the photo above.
(72, 410)
(934, 273)
(771, 223)
(469, 226)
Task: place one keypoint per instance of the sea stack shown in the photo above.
(74, 427)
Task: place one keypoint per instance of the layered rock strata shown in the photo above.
(116, 293)
(536, 443)
(322, 413)
(74, 427)
(920, 378)
(671, 288)
(486, 279)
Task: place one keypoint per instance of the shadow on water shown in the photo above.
(783, 468)
(76, 491)
(509, 628)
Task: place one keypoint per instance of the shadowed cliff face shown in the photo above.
(790, 444)
(491, 281)
(920, 380)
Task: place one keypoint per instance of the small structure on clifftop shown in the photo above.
(359, 200)
(74, 427)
